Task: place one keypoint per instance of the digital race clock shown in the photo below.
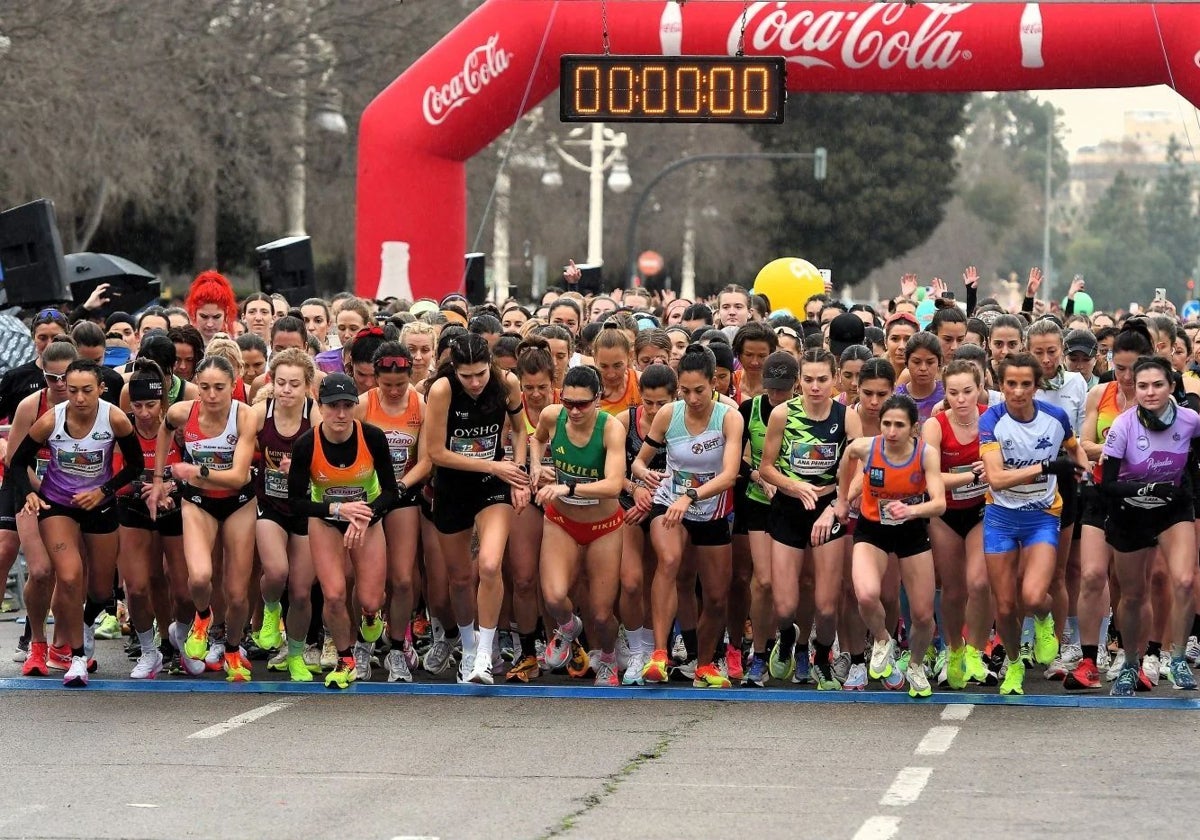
(685, 89)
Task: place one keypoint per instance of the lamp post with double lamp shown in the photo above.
(606, 154)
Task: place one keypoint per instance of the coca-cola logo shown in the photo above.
(482, 65)
(867, 37)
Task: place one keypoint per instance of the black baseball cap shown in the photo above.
(845, 330)
(338, 387)
(781, 370)
(1081, 341)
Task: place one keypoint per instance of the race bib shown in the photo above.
(477, 447)
(563, 478)
(968, 491)
(886, 518)
(812, 459)
(275, 482)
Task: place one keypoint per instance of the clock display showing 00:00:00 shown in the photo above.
(658, 89)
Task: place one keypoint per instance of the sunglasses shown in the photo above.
(788, 331)
(50, 315)
(393, 363)
(576, 405)
(54, 378)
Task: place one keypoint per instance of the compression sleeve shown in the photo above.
(300, 477)
(19, 465)
(1118, 490)
(135, 462)
(972, 297)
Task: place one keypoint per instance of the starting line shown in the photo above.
(1178, 702)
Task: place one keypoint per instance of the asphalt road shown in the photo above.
(196, 758)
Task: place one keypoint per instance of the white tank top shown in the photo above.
(693, 460)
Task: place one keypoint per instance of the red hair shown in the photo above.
(212, 287)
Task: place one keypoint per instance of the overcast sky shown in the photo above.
(1095, 115)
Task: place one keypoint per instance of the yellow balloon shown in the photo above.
(788, 282)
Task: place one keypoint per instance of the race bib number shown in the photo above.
(968, 491)
(574, 500)
(480, 447)
(1037, 488)
(885, 516)
(87, 463)
(276, 483)
(812, 459)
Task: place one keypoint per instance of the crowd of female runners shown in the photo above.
(628, 496)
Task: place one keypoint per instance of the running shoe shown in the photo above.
(822, 673)
(580, 663)
(523, 670)
(1180, 675)
(420, 626)
(841, 667)
(371, 627)
(756, 675)
(1014, 679)
(439, 657)
(1103, 659)
(1026, 654)
(606, 672)
(1083, 677)
(1126, 683)
(329, 653)
(679, 650)
(148, 666)
(77, 673)
(481, 669)
(508, 649)
(1152, 668)
(1143, 682)
(955, 670)
(709, 676)
(1058, 669)
(21, 651)
(278, 660)
(107, 627)
(734, 668)
(895, 681)
(1072, 654)
(178, 633)
(58, 657)
(941, 661)
(1045, 644)
(35, 664)
(1116, 665)
(312, 658)
(196, 646)
(214, 660)
(342, 674)
(624, 654)
(803, 672)
(465, 665)
(633, 671)
(856, 677)
(237, 667)
(89, 641)
(656, 668)
(918, 682)
(903, 660)
(362, 661)
(561, 642)
(409, 652)
(978, 671)
(779, 666)
(269, 637)
(1192, 651)
(299, 670)
(397, 666)
(685, 672)
(882, 657)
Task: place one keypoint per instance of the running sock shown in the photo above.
(787, 640)
(1154, 649)
(272, 605)
(348, 653)
(450, 632)
(1179, 652)
(690, 642)
(1027, 630)
(858, 659)
(295, 647)
(27, 633)
(467, 633)
(91, 610)
(1070, 635)
(646, 641)
(485, 639)
(205, 613)
(316, 630)
(146, 639)
(821, 654)
(1090, 651)
(77, 651)
(529, 644)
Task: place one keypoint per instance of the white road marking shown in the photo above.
(140, 805)
(415, 837)
(878, 828)
(907, 786)
(218, 729)
(958, 711)
(937, 740)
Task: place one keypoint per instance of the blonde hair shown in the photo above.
(296, 358)
(418, 328)
(227, 349)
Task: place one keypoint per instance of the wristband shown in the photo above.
(336, 510)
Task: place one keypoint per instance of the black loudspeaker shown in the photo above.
(286, 266)
(589, 279)
(130, 287)
(32, 272)
(475, 279)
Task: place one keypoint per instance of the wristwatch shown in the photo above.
(693, 494)
(570, 488)
(203, 471)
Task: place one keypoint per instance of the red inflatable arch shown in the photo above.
(417, 134)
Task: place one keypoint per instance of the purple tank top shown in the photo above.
(1148, 455)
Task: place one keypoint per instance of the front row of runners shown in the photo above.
(968, 501)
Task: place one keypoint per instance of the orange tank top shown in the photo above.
(402, 430)
(356, 482)
(885, 482)
(632, 395)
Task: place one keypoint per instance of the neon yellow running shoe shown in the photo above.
(269, 637)
(297, 670)
(342, 674)
(956, 669)
(1045, 645)
(196, 645)
(109, 627)
(237, 669)
(1014, 679)
(371, 627)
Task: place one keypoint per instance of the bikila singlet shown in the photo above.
(271, 482)
(695, 460)
(78, 464)
(885, 482)
(216, 452)
(401, 430)
(471, 432)
(581, 464)
(810, 449)
(958, 457)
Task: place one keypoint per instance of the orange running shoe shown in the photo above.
(35, 664)
(656, 670)
(580, 664)
(58, 657)
(196, 646)
(710, 676)
(237, 669)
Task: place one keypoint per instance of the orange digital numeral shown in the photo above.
(721, 96)
(654, 90)
(620, 93)
(587, 89)
(756, 94)
(685, 94)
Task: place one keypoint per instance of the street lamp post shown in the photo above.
(606, 154)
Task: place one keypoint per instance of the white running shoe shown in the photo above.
(329, 654)
(439, 657)
(89, 641)
(278, 660)
(362, 660)
(411, 657)
(679, 650)
(1116, 665)
(1152, 668)
(21, 653)
(1072, 655)
(215, 659)
(179, 633)
(633, 671)
(624, 654)
(1058, 669)
(559, 649)
(856, 678)
(1192, 652)
(882, 659)
(77, 674)
(312, 657)
(465, 666)
(606, 673)
(147, 666)
(397, 666)
(481, 669)
(1103, 658)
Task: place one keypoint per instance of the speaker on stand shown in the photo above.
(32, 270)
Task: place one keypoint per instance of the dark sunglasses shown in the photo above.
(54, 378)
(577, 405)
(50, 315)
(393, 363)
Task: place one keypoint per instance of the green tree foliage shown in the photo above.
(892, 165)
(1171, 220)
